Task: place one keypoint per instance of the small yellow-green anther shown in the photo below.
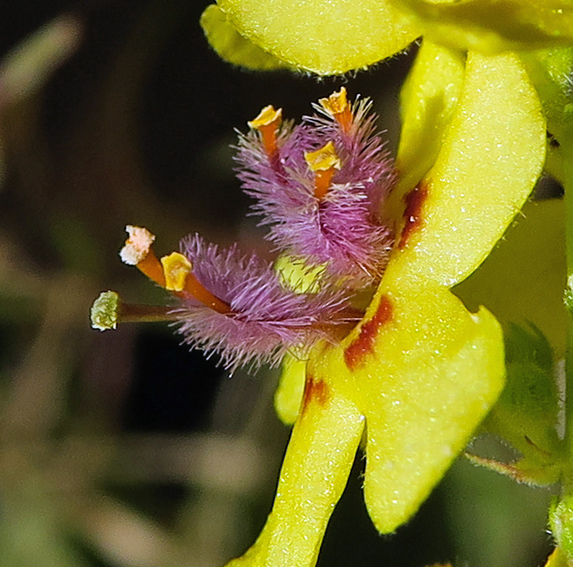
(104, 311)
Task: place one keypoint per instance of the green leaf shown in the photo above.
(561, 524)
(550, 71)
(526, 413)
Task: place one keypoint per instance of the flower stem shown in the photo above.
(567, 152)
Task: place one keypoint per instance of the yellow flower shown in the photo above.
(419, 373)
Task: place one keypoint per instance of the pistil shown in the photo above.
(108, 310)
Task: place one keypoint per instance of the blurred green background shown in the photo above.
(123, 449)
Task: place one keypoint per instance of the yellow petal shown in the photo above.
(488, 164)
(424, 372)
(523, 279)
(288, 396)
(314, 473)
(491, 26)
(428, 99)
(234, 48)
(326, 37)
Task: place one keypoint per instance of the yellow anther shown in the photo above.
(323, 162)
(337, 106)
(176, 267)
(335, 103)
(323, 159)
(180, 279)
(267, 123)
(267, 116)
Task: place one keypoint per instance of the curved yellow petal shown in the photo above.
(231, 46)
(428, 100)
(489, 161)
(314, 473)
(325, 37)
(424, 371)
(492, 26)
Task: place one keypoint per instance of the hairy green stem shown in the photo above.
(567, 149)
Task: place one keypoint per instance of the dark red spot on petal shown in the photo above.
(412, 213)
(315, 391)
(363, 345)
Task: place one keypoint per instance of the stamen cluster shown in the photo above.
(319, 187)
(322, 187)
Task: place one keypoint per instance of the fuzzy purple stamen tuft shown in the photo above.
(343, 229)
(267, 319)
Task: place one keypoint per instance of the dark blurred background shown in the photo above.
(123, 448)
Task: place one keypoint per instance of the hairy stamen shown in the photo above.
(324, 162)
(267, 123)
(337, 106)
(179, 278)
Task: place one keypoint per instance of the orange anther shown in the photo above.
(337, 106)
(176, 267)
